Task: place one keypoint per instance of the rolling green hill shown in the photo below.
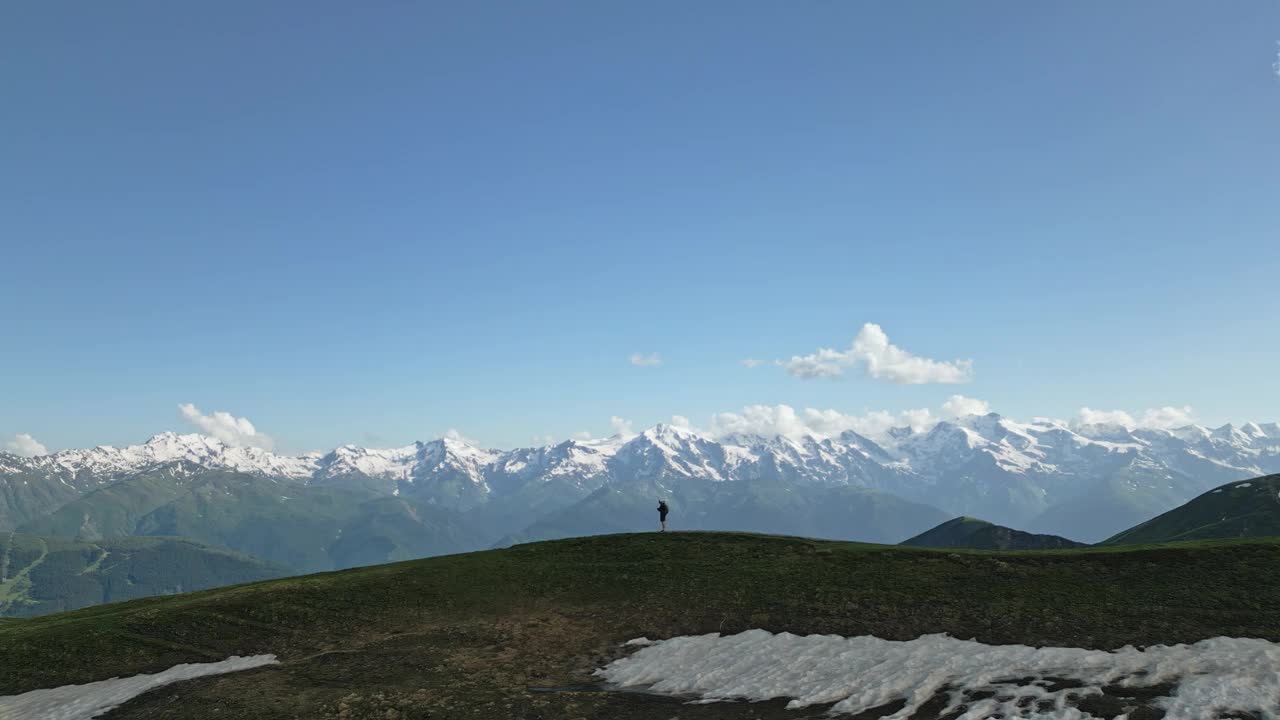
(468, 636)
(46, 574)
(1249, 508)
(975, 534)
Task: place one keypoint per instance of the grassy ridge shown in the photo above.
(967, 532)
(1246, 508)
(618, 587)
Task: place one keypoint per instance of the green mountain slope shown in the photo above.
(113, 510)
(30, 493)
(467, 636)
(975, 534)
(839, 513)
(305, 528)
(45, 574)
(25, 496)
(1249, 508)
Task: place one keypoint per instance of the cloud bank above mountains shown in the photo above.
(1162, 418)
(787, 421)
(759, 419)
(763, 420)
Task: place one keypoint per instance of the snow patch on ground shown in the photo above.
(860, 673)
(82, 702)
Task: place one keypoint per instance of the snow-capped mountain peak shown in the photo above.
(105, 462)
(452, 454)
(664, 452)
(1253, 430)
(672, 435)
(394, 463)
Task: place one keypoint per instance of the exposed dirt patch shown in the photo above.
(538, 667)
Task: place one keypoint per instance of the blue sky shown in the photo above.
(372, 223)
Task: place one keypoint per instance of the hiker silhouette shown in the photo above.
(662, 514)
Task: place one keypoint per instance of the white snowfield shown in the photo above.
(859, 673)
(82, 702)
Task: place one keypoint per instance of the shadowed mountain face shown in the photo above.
(1239, 509)
(41, 575)
(977, 534)
(305, 528)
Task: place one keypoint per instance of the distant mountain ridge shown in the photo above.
(975, 534)
(1087, 482)
(831, 512)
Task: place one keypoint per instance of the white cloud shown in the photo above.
(877, 423)
(643, 360)
(1167, 417)
(917, 420)
(231, 430)
(784, 420)
(958, 406)
(26, 446)
(621, 426)
(765, 420)
(453, 434)
(883, 360)
(1162, 418)
(752, 363)
(826, 363)
(1089, 416)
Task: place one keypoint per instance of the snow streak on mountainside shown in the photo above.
(1028, 475)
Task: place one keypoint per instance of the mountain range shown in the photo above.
(363, 506)
(1083, 482)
